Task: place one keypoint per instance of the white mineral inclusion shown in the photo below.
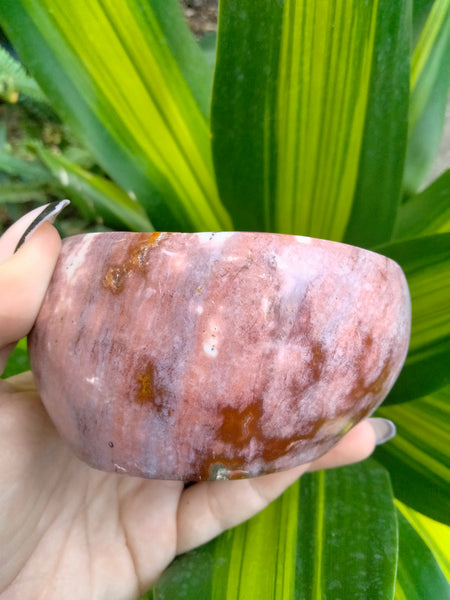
(79, 259)
(265, 305)
(204, 236)
(210, 349)
(220, 236)
(210, 340)
(302, 239)
(178, 264)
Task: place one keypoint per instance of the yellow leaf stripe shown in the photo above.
(426, 42)
(422, 441)
(436, 535)
(261, 561)
(319, 527)
(430, 295)
(325, 65)
(123, 68)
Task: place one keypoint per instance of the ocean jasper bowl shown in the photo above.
(197, 356)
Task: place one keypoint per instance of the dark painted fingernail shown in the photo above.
(49, 213)
(385, 430)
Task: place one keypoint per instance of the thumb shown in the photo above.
(24, 277)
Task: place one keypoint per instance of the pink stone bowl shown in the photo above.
(197, 356)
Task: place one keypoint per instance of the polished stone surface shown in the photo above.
(215, 355)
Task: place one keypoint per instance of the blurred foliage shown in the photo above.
(316, 119)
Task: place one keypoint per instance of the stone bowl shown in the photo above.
(196, 356)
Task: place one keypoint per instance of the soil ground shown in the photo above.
(201, 15)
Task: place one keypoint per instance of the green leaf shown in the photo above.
(327, 51)
(251, 568)
(304, 545)
(100, 193)
(421, 10)
(426, 263)
(22, 192)
(26, 170)
(436, 535)
(426, 213)
(430, 84)
(381, 163)
(133, 84)
(254, 560)
(334, 559)
(244, 109)
(208, 43)
(417, 457)
(18, 361)
(419, 576)
(296, 80)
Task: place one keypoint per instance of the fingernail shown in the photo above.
(385, 430)
(48, 213)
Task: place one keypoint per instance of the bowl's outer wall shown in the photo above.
(226, 355)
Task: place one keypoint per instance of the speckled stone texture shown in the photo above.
(215, 355)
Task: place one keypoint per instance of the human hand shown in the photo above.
(68, 531)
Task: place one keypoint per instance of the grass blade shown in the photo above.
(107, 198)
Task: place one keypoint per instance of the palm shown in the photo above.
(68, 527)
(61, 519)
